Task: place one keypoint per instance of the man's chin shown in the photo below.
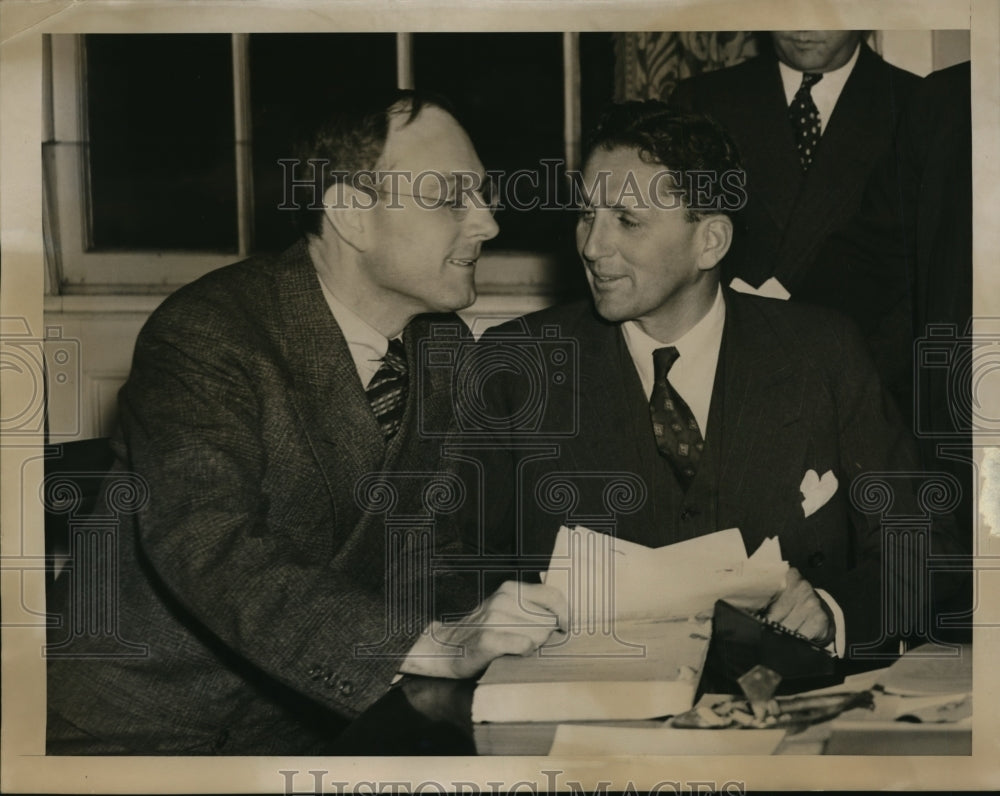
(460, 301)
(609, 311)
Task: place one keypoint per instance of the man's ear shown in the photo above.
(715, 237)
(348, 209)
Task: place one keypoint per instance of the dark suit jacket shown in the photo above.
(795, 390)
(789, 214)
(258, 569)
(912, 237)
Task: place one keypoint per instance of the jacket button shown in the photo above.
(314, 673)
(345, 687)
(816, 559)
(687, 513)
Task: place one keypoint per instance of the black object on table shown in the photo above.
(418, 716)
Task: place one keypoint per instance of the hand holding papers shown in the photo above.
(603, 577)
(639, 627)
(799, 608)
(514, 620)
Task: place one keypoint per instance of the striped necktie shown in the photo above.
(387, 389)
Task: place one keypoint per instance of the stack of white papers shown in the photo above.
(639, 627)
(603, 577)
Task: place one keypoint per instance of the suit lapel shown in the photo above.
(429, 399)
(761, 392)
(606, 406)
(331, 402)
(771, 145)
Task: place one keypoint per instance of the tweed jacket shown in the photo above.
(266, 574)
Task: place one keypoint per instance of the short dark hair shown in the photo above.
(687, 144)
(351, 139)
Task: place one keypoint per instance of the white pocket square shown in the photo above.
(772, 288)
(816, 491)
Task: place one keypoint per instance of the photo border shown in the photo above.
(24, 766)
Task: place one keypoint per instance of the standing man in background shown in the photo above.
(914, 229)
(811, 121)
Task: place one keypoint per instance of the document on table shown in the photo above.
(604, 577)
(639, 627)
(576, 740)
(640, 670)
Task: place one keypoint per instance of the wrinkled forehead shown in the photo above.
(432, 143)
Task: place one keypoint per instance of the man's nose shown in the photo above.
(594, 244)
(480, 223)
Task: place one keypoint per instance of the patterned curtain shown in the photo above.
(648, 65)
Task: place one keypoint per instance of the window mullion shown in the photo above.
(571, 99)
(243, 142)
(404, 61)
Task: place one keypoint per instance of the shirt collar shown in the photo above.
(366, 344)
(826, 92)
(697, 340)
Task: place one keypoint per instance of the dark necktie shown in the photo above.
(804, 116)
(676, 430)
(387, 389)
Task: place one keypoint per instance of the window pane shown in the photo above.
(295, 80)
(162, 169)
(508, 91)
(597, 77)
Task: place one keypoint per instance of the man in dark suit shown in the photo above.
(689, 408)
(912, 237)
(811, 120)
(278, 576)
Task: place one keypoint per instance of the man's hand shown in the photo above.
(515, 620)
(799, 608)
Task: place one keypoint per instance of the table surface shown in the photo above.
(428, 716)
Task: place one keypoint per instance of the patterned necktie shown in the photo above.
(387, 389)
(804, 116)
(676, 430)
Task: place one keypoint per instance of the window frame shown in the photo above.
(73, 268)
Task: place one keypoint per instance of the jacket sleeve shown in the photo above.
(899, 513)
(293, 592)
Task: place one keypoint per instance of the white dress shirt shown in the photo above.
(693, 374)
(693, 377)
(367, 345)
(825, 93)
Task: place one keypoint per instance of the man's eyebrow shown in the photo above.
(617, 206)
(478, 178)
(608, 205)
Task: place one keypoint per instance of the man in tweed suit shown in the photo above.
(260, 577)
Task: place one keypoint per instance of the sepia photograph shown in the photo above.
(490, 400)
